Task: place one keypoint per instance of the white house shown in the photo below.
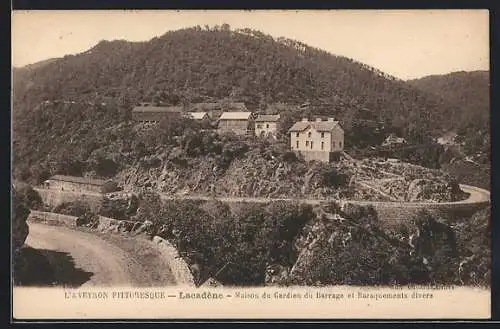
(318, 139)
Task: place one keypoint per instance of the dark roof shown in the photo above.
(80, 180)
(268, 118)
(170, 109)
(318, 125)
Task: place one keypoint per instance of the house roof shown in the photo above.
(268, 118)
(197, 115)
(156, 109)
(318, 125)
(235, 116)
(80, 180)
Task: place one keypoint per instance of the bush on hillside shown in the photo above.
(29, 197)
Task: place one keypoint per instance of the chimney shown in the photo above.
(318, 120)
(331, 119)
(304, 120)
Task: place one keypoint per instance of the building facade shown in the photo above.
(145, 113)
(239, 123)
(80, 184)
(317, 140)
(267, 125)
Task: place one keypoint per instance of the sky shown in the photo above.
(404, 43)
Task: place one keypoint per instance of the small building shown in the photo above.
(267, 125)
(317, 140)
(146, 113)
(198, 115)
(239, 123)
(392, 140)
(80, 184)
(215, 109)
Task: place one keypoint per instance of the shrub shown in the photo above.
(30, 197)
(73, 208)
(115, 208)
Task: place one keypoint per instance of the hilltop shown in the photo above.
(192, 64)
(469, 91)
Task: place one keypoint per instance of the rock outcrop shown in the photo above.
(20, 213)
(434, 190)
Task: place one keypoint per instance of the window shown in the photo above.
(340, 144)
(322, 145)
(309, 134)
(267, 125)
(322, 135)
(307, 143)
(311, 145)
(333, 144)
(297, 144)
(259, 125)
(297, 135)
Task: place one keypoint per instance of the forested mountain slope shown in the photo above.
(468, 90)
(74, 107)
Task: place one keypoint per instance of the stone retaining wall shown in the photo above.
(52, 218)
(179, 267)
(395, 212)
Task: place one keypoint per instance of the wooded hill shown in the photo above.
(469, 91)
(78, 97)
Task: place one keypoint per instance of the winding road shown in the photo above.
(98, 260)
(476, 195)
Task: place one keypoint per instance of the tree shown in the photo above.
(149, 208)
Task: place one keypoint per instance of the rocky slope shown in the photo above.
(346, 246)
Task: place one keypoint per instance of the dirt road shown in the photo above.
(477, 195)
(98, 260)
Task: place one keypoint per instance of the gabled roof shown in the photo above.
(156, 109)
(198, 115)
(318, 125)
(268, 118)
(80, 180)
(235, 116)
